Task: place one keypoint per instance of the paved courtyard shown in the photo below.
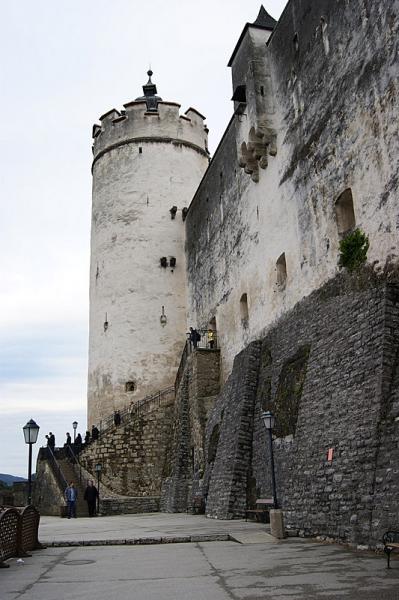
(258, 567)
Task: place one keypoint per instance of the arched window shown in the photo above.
(281, 268)
(344, 213)
(244, 310)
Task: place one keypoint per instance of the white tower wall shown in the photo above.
(145, 162)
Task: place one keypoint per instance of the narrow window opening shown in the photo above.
(244, 310)
(130, 386)
(295, 41)
(344, 212)
(281, 268)
(262, 90)
(140, 150)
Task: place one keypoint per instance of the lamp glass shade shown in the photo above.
(268, 419)
(75, 424)
(98, 467)
(31, 431)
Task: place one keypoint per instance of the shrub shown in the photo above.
(353, 250)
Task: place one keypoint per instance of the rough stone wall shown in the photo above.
(329, 372)
(133, 455)
(385, 490)
(195, 398)
(329, 88)
(229, 461)
(46, 491)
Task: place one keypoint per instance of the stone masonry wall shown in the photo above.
(329, 371)
(133, 455)
(186, 459)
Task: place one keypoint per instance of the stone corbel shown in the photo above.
(254, 153)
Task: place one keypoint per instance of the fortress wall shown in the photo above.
(133, 455)
(333, 107)
(322, 371)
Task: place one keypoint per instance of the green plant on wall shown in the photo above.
(353, 250)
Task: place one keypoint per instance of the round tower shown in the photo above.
(148, 162)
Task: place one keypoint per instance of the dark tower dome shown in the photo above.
(150, 94)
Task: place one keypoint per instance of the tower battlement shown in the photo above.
(136, 123)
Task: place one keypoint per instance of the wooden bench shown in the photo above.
(262, 508)
(391, 544)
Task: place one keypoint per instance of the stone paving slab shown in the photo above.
(293, 570)
(124, 529)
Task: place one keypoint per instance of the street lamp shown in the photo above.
(269, 422)
(31, 431)
(75, 426)
(98, 468)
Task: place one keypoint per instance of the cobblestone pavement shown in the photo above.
(293, 569)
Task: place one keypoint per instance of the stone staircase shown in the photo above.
(70, 474)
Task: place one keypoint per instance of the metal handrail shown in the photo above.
(129, 412)
(74, 459)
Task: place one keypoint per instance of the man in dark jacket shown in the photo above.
(91, 495)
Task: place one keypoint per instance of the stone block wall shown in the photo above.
(195, 398)
(329, 371)
(133, 455)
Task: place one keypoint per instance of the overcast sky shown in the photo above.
(63, 64)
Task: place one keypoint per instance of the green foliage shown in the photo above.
(353, 250)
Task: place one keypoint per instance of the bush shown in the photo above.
(353, 250)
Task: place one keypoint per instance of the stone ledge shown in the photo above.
(145, 541)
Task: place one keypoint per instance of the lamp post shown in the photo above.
(98, 471)
(31, 431)
(75, 426)
(269, 422)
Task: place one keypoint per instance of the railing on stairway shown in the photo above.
(71, 456)
(140, 407)
(206, 342)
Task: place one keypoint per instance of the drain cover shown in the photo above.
(78, 562)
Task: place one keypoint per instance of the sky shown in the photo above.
(63, 64)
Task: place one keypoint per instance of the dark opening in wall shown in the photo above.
(295, 41)
(244, 310)
(344, 212)
(130, 386)
(140, 150)
(281, 268)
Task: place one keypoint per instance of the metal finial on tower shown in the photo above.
(150, 93)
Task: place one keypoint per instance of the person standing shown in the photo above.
(211, 338)
(87, 438)
(68, 439)
(71, 496)
(94, 433)
(91, 495)
(78, 444)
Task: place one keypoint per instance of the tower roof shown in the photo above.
(262, 21)
(150, 94)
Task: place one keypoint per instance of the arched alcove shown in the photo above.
(281, 269)
(344, 212)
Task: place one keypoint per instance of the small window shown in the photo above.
(140, 150)
(295, 41)
(130, 386)
(344, 212)
(244, 310)
(281, 268)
